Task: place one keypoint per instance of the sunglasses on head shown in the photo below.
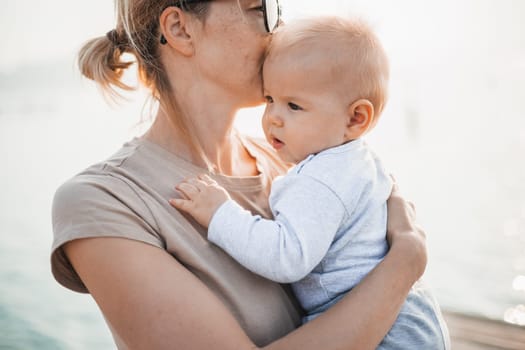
(271, 12)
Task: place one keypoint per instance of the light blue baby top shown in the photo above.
(328, 232)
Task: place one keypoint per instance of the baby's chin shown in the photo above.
(287, 159)
(289, 163)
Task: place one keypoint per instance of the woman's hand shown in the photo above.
(404, 233)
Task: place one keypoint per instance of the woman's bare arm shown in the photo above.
(153, 302)
(150, 299)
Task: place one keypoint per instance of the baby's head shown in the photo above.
(325, 81)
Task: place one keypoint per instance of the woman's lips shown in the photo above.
(277, 144)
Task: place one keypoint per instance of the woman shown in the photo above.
(159, 283)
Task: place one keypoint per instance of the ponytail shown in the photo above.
(137, 33)
(100, 60)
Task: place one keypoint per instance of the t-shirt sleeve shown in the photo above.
(96, 206)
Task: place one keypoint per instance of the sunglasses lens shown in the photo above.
(272, 14)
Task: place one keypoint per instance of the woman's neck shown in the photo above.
(216, 136)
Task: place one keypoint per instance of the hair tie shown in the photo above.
(113, 36)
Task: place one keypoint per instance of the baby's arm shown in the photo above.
(307, 216)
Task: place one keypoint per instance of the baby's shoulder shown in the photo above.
(348, 170)
(335, 166)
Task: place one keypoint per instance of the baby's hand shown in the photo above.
(201, 197)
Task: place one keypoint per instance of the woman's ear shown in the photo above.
(175, 30)
(360, 119)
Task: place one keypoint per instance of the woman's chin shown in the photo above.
(254, 100)
(255, 103)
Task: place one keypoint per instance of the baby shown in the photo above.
(325, 84)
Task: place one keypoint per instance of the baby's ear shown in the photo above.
(360, 119)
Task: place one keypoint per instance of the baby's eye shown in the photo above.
(268, 99)
(294, 107)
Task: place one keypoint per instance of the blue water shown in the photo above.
(453, 134)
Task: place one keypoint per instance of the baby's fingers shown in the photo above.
(181, 204)
(199, 184)
(208, 180)
(188, 190)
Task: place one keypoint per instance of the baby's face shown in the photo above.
(304, 113)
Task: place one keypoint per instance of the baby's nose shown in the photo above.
(275, 119)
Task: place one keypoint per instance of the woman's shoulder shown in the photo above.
(91, 206)
(101, 201)
(102, 179)
(123, 175)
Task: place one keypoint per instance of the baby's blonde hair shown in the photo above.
(359, 61)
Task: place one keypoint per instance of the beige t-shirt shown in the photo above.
(127, 196)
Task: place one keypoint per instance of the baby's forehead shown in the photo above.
(313, 71)
(346, 41)
(314, 57)
(300, 43)
(331, 50)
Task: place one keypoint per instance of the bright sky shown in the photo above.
(49, 30)
(46, 30)
(36, 30)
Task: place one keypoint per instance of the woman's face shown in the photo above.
(230, 49)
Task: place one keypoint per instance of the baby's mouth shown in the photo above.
(276, 143)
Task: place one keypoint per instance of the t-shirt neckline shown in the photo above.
(239, 183)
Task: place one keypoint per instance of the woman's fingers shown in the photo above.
(413, 206)
(396, 192)
(421, 232)
(395, 195)
(393, 178)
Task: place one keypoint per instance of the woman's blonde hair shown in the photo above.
(137, 33)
